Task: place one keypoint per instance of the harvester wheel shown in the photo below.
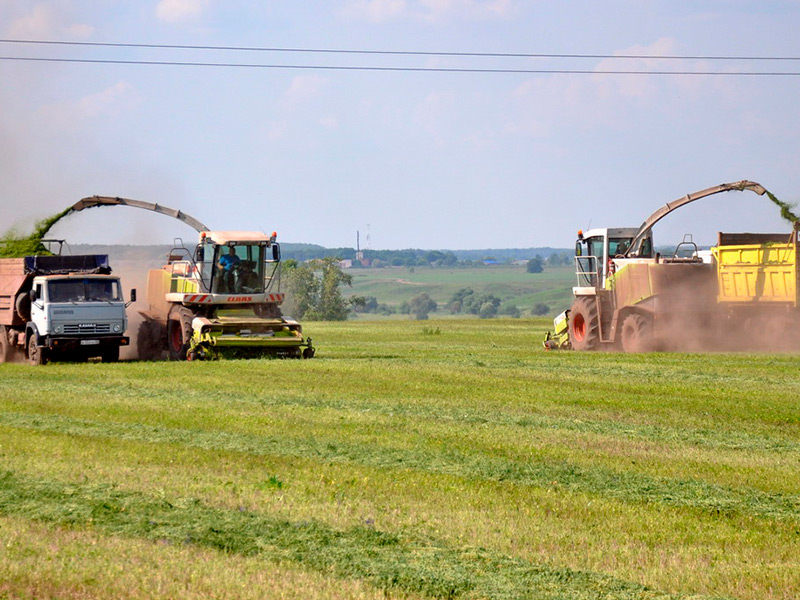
(179, 332)
(637, 333)
(584, 324)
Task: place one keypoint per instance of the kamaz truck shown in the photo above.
(61, 308)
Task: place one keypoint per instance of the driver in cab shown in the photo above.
(227, 264)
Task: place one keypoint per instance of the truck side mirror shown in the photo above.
(133, 295)
(276, 252)
(33, 296)
(578, 248)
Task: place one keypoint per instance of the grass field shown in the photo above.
(449, 459)
(509, 283)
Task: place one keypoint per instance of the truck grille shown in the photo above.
(87, 328)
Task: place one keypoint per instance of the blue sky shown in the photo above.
(411, 159)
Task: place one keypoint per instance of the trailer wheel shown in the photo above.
(179, 333)
(637, 334)
(584, 325)
(36, 355)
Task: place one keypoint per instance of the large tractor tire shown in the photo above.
(637, 334)
(179, 332)
(584, 325)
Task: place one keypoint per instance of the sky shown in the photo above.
(417, 158)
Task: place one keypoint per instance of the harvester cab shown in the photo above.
(237, 262)
(599, 252)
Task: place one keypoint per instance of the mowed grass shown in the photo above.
(409, 460)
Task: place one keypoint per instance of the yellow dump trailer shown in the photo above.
(757, 269)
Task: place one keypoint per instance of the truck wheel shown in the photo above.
(22, 305)
(179, 332)
(36, 355)
(6, 350)
(637, 334)
(110, 355)
(584, 325)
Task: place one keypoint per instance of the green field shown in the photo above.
(509, 283)
(450, 459)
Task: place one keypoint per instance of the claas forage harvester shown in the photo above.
(221, 297)
(743, 293)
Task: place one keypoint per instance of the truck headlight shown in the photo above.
(58, 329)
(117, 328)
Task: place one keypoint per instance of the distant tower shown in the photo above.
(368, 245)
(359, 253)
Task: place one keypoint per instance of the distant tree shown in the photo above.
(535, 265)
(302, 289)
(487, 310)
(509, 310)
(484, 305)
(456, 302)
(422, 304)
(540, 309)
(558, 259)
(314, 290)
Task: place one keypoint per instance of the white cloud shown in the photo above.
(71, 118)
(304, 88)
(47, 20)
(330, 122)
(429, 10)
(113, 100)
(376, 10)
(175, 11)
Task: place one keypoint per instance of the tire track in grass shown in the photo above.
(386, 560)
(618, 485)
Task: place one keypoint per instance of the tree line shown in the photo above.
(427, 258)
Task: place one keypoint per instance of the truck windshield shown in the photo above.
(84, 290)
